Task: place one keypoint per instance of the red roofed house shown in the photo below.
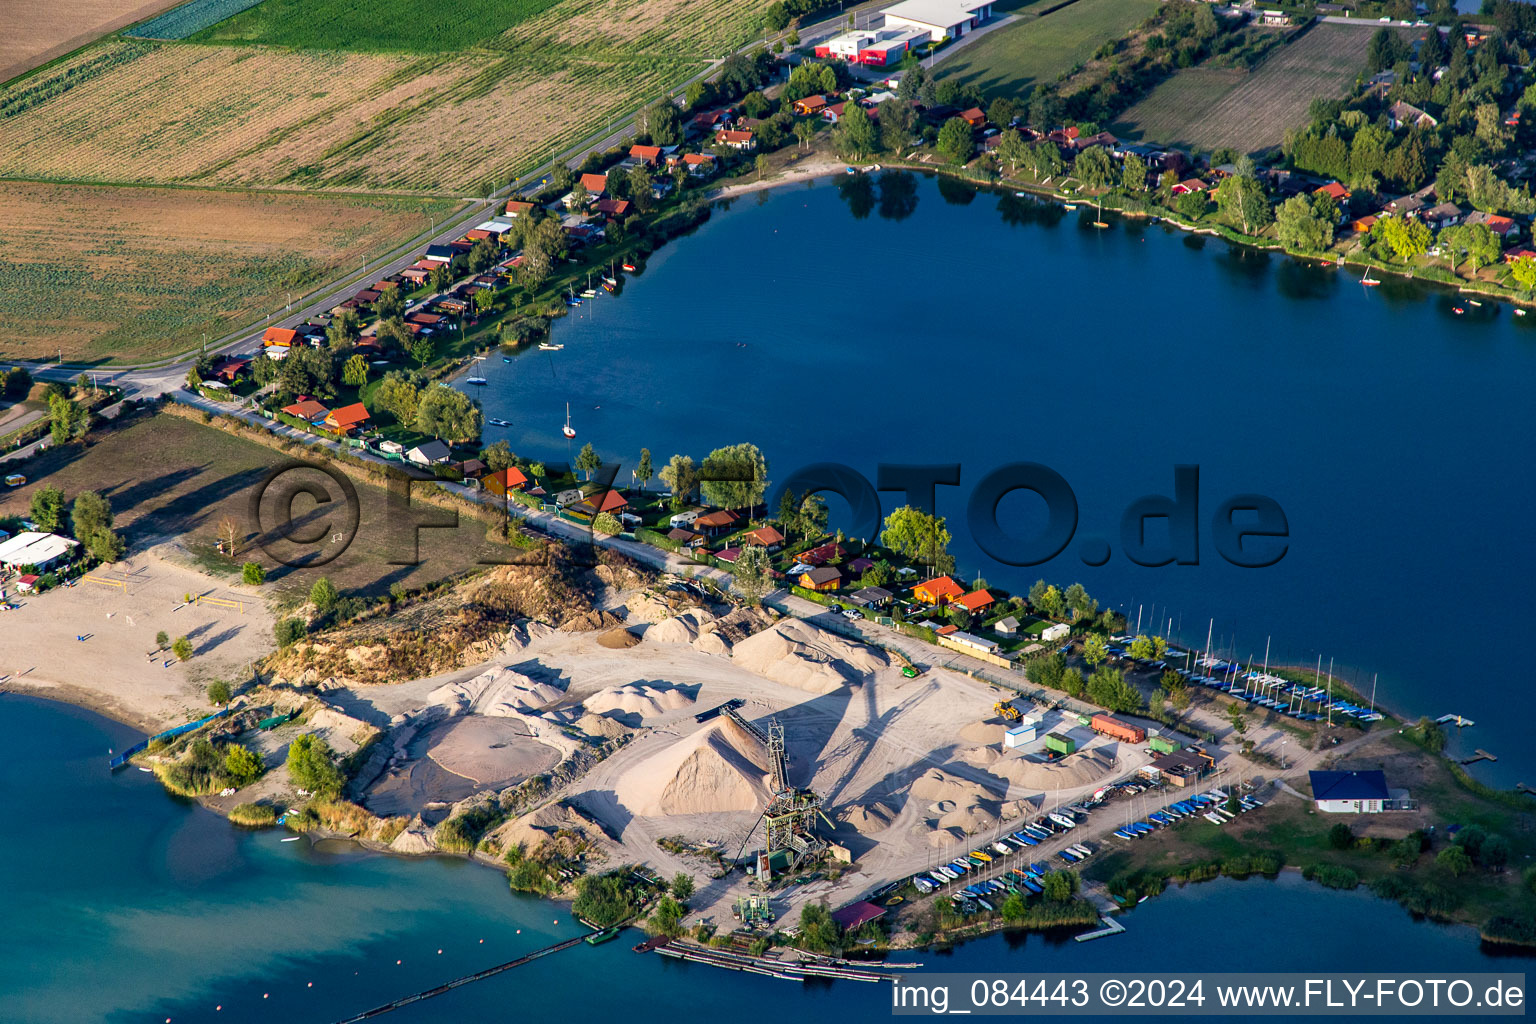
(974, 117)
(821, 555)
(700, 165)
(739, 140)
(504, 480)
(975, 601)
(767, 537)
(810, 105)
(612, 207)
(1333, 190)
(649, 154)
(347, 418)
(1190, 185)
(283, 336)
(306, 409)
(595, 184)
(519, 208)
(1501, 226)
(937, 591)
(716, 523)
(607, 501)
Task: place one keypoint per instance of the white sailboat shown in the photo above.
(568, 430)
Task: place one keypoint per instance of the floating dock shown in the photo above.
(784, 970)
(1108, 926)
(1478, 755)
(1456, 720)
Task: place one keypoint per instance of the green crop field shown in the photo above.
(1011, 59)
(1212, 108)
(373, 25)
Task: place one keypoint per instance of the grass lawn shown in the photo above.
(170, 478)
(1010, 60)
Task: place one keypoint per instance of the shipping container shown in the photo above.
(1163, 745)
(1119, 728)
(1057, 743)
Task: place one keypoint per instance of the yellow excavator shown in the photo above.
(1008, 712)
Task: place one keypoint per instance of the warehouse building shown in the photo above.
(877, 48)
(937, 19)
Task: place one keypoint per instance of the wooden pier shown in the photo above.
(1456, 720)
(1109, 926)
(784, 970)
(1478, 755)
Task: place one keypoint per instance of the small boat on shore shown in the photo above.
(545, 346)
(500, 423)
(290, 839)
(477, 381)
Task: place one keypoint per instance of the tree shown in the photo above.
(682, 886)
(1083, 606)
(641, 181)
(1093, 167)
(1171, 682)
(580, 197)
(955, 142)
(681, 477)
(229, 535)
(68, 419)
(241, 766)
(666, 918)
(588, 460)
(1192, 205)
(1241, 199)
(1406, 237)
(855, 133)
(182, 648)
(448, 414)
(391, 333)
(919, 536)
(219, 692)
(607, 524)
(423, 349)
(812, 516)
(253, 574)
(324, 595)
(1013, 150)
(1495, 853)
(735, 476)
(440, 278)
(1300, 226)
(643, 469)
(91, 520)
(354, 373)
(1238, 720)
(804, 131)
(776, 17)
(389, 304)
(398, 396)
(1133, 174)
(1453, 860)
(312, 766)
(1141, 648)
(1095, 648)
(498, 456)
(162, 640)
(1341, 836)
(1013, 908)
(1523, 270)
(1059, 886)
(753, 572)
(47, 509)
(662, 122)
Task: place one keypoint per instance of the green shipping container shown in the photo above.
(1056, 743)
(1084, 720)
(1163, 745)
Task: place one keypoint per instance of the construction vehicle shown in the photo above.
(1008, 712)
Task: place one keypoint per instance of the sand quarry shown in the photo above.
(907, 768)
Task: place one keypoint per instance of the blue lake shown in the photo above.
(123, 904)
(907, 320)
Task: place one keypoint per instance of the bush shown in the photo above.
(253, 573)
(182, 648)
(1341, 836)
(1331, 875)
(241, 766)
(289, 631)
(219, 692)
(604, 900)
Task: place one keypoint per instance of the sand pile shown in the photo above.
(601, 726)
(869, 819)
(798, 654)
(711, 642)
(523, 634)
(618, 639)
(981, 757)
(1067, 773)
(645, 607)
(647, 701)
(714, 769)
(983, 733)
(680, 629)
(501, 691)
(955, 803)
(546, 824)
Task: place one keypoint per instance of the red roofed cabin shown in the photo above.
(974, 117)
(307, 409)
(606, 501)
(766, 537)
(1333, 190)
(975, 601)
(736, 139)
(595, 184)
(716, 523)
(504, 480)
(809, 105)
(822, 578)
(283, 336)
(650, 155)
(347, 418)
(937, 591)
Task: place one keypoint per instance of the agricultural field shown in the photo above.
(369, 25)
(37, 31)
(136, 111)
(1010, 60)
(1212, 108)
(190, 18)
(131, 274)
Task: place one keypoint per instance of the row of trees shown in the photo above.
(89, 519)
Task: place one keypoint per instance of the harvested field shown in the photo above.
(132, 274)
(698, 29)
(1212, 108)
(38, 31)
(170, 479)
(1009, 60)
(133, 111)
